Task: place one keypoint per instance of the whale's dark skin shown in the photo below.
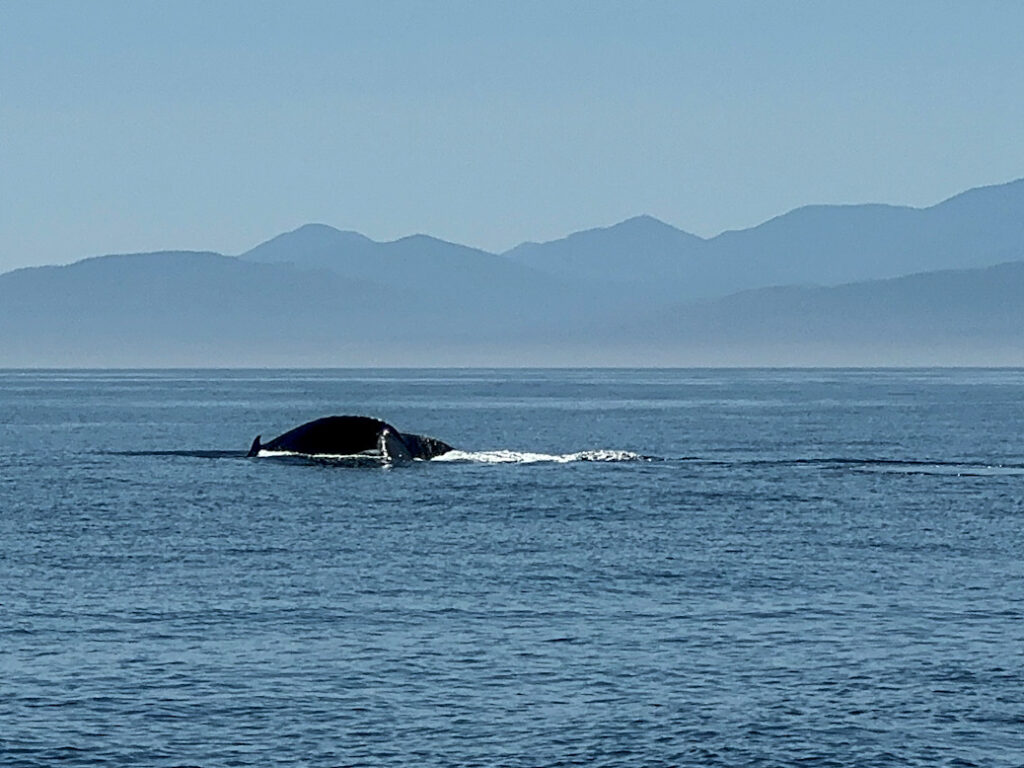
(350, 436)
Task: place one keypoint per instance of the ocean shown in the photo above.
(617, 568)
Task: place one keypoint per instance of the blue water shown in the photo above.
(769, 568)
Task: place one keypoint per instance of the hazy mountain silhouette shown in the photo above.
(622, 294)
(200, 308)
(973, 316)
(824, 244)
(642, 254)
(418, 263)
(172, 307)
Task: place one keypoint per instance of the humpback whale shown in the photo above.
(352, 436)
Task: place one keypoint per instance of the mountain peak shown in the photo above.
(646, 223)
(643, 227)
(319, 239)
(322, 233)
(643, 219)
(315, 228)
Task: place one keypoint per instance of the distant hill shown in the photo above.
(638, 255)
(893, 285)
(203, 309)
(418, 264)
(171, 308)
(948, 317)
(200, 308)
(823, 244)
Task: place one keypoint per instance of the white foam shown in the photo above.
(265, 454)
(478, 457)
(525, 457)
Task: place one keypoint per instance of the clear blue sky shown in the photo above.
(130, 126)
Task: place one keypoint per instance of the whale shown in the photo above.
(353, 436)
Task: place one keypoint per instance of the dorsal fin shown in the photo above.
(255, 448)
(392, 447)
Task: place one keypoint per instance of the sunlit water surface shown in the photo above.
(658, 568)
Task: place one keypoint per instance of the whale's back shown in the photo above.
(332, 435)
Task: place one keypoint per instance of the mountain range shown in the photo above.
(823, 284)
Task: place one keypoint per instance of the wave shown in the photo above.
(905, 466)
(189, 454)
(949, 468)
(526, 457)
(887, 465)
(368, 459)
(265, 454)
(373, 457)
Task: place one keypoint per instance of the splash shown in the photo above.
(265, 454)
(367, 456)
(525, 457)
(464, 457)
